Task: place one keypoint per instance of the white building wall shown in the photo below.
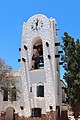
(49, 76)
(15, 104)
(47, 34)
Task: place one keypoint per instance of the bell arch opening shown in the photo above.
(37, 54)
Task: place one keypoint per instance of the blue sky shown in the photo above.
(14, 12)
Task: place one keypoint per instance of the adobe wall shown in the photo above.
(52, 115)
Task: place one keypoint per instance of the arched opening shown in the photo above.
(5, 94)
(13, 95)
(10, 113)
(37, 54)
(40, 90)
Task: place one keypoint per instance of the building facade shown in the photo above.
(39, 75)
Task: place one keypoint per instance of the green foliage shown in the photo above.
(7, 80)
(71, 59)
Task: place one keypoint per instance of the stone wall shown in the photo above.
(52, 115)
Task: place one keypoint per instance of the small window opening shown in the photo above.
(50, 107)
(36, 112)
(5, 94)
(30, 89)
(13, 94)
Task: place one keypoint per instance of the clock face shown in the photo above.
(36, 24)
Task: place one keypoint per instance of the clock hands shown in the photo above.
(37, 24)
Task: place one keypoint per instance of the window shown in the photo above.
(30, 89)
(36, 112)
(13, 94)
(5, 94)
(58, 111)
(40, 90)
(50, 107)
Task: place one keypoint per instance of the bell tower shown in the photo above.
(39, 66)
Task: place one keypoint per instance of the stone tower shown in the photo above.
(39, 66)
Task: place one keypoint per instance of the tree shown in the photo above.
(7, 82)
(71, 59)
